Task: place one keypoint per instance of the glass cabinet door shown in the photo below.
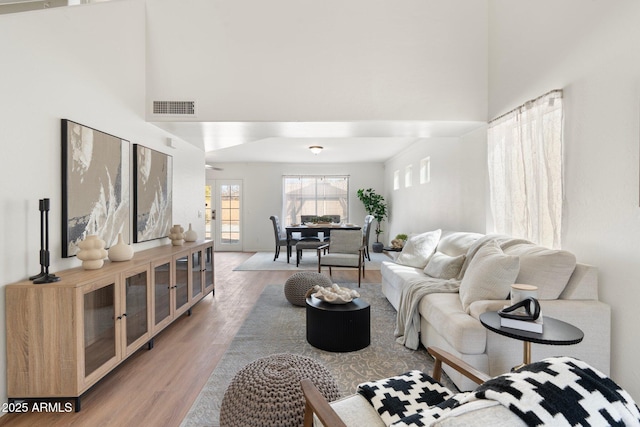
(162, 292)
(196, 276)
(208, 269)
(136, 315)
(99, 315)
(182, 282)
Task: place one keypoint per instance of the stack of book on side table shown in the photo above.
(523, 325)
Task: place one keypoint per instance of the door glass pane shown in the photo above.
(182, 281)
(196, 276)
(162, 283)
(208, 212)
(230, 213)
(136, 289)
(99, 328)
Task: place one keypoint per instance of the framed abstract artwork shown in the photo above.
(95, 186)
(152, 194)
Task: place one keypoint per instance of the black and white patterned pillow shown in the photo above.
(562, 391)
(398, 397)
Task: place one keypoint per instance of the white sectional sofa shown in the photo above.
(567, 290)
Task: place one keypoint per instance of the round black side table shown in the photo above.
(554, 332)
(338, 327)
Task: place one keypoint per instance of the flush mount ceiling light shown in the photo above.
(315, 149)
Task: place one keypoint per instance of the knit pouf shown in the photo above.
(267, 391)
(296, 286)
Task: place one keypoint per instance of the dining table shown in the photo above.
(312, 230)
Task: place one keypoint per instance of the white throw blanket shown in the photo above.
(408, 318)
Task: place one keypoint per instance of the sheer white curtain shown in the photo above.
(526, 170)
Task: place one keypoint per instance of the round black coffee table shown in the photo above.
(338, 327)
(554, 332)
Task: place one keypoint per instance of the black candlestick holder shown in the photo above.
(44, 276)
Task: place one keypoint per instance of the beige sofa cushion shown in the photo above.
(489, 275)
(456, 243)
(418, 249)
(443, 266)
(355, 410)
(445, 314)
(548, 269)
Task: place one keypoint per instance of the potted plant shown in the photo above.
(399, 241)
(375, 205)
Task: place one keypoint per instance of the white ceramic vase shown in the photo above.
(92, 252)
(190, 235)
(120, 251)
(176, 234)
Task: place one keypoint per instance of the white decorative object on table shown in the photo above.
(120, 251)
(176, 234)
(190, 235)
(92, 252)
(335, 294)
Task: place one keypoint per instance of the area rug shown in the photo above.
(275, 326)
(264, 261)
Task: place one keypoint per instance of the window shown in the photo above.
(396, 179)
(525, 170)
(315, 195)
(408, 176)
(425, 170)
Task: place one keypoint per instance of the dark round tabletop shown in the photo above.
(355, 305)
(554, 331)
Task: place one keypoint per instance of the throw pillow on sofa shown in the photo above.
(548, 269)
(489, 275)
(443, 266)
(418, 249)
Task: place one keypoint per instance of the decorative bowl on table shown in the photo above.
(334, 294)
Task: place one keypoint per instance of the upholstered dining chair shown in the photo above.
(366, 231)
(280, 237)
(345, 249)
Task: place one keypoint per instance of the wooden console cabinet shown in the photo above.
(63, 337)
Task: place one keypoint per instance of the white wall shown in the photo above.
(454, 199)
(262, 187)
(589, 49)
(86, 64)
(291, 60)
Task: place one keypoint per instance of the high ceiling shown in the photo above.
(288, 142)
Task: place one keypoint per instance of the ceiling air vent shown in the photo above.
(175, 108)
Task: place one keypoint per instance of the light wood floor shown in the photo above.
(157, 387)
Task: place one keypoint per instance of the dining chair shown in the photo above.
(345, 249)
(280, 237)
(366, 231)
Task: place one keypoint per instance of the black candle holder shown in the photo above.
(44, 276)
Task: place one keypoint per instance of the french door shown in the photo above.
(226, 214)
